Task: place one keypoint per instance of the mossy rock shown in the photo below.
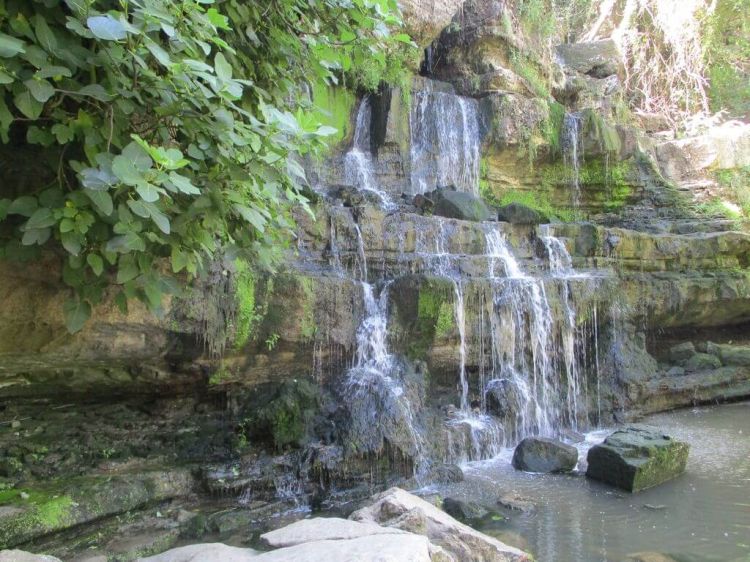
(636, 458)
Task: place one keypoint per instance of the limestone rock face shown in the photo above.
(636, 458)
(597, 59)
(539, 454)
(425, 18)
(397, 508)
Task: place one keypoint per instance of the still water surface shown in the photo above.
(702, 515)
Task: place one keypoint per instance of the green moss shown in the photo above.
(531, 74)
(287, 416)
(333, 107)
(553, 126)
(539, 201)
(434, 317)
(247, 315)
(596, 127)
(609, 185)
(308, 327)
(220, 376)
(45, 512)
(735, 185)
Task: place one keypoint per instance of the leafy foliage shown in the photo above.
(728, 56)
(163, 129)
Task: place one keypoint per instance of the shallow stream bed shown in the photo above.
(702, 515)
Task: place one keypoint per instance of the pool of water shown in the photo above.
(702, 515)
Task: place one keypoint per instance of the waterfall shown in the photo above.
(378, 396)
(573, 151)
(444, 142)
(527, 390)
(359, 169)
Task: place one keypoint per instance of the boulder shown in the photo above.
(514, 502)
(323, 528)
(702, 362)
(637, 457)
(518, 213)
(676, 371)
(22, 556)
(540, 454)
(460, 205)
(446, 474)
(466, 512)
(733, 355)
(681, 352)
(597, 59)
(397, 508)
(204, 552)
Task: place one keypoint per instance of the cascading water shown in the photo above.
(359, 169)
(444, 142)
(573, 151)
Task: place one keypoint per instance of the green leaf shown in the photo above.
(95, 91)
(24, 206)
(4, 205)
(180, 259)
(148, 191)
(102, 200)
(161, 220)
(97, 179)
(183, 184)
(54, 72)
(136, 154)
(41, 218)
(223, 68)
(96, 263)
(139, 208)
(28, 105)
(5, 78)
(77, 312)
(218, 20)
(126, 243)
(125, 170)
(6, 118)
(252, 216)
(66, 225)
(127, 269)
(36, 236)
(72, 242)
(40, 89)
(106, 28)
(10, 46)
(44, 35)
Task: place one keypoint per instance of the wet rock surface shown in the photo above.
(636, 458)
(539, 454)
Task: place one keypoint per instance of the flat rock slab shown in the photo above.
(22, 556)
(637, 457)
(203, 553)
(324, 528)
(374, 548)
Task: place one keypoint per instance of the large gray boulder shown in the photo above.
(460, 205)
(637, 457)
(540, 454)
(734, 355)
(402, 510)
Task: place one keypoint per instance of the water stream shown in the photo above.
(573, 152)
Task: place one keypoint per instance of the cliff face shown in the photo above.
(399, 333)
